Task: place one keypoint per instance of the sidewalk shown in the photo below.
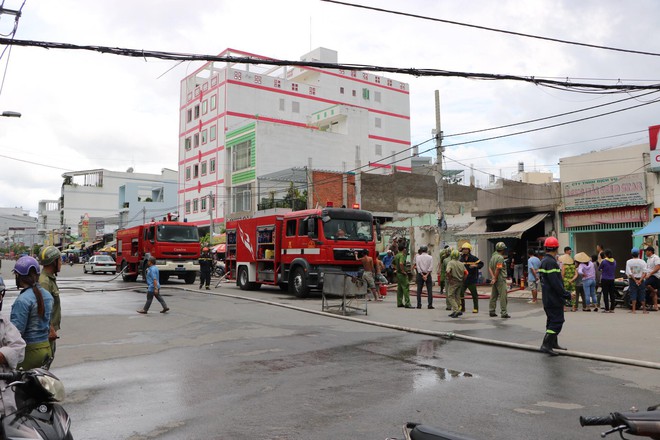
(619, 334)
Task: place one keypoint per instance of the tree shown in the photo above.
(295, 199)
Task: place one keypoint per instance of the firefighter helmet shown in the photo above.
(500, 246)
(467, 246)
(551, 243)
(454, 254)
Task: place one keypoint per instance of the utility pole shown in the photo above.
(438, 165)
(144, 214)
(211, 231)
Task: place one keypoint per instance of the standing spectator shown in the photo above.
(554, 297)
(596, 261)
(424, 265)
(533, 280)
(473, 266)
(652, 276)
(31, 313)
(635, 268)
(368, 273)
(153, 287)
(389, 269)
(511, 263)
(587, 270)
(402, 283)
(51, 260)
(607, 269)
(497, 270)
(518, 271)
(567, 266)
(579, 291)
(205, 268)
(455, 276)
(600, 252)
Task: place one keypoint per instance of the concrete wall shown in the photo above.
(517, 195)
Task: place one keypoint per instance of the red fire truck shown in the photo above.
(292, 250)
(174, 244)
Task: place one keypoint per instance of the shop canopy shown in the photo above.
(652, 228)
(478, 228)
(220, 248)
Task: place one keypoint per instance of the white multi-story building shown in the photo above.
(109, 196)
(16, 226)
(242, 121)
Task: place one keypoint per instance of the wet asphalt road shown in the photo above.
(223, 368)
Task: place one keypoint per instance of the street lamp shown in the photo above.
(10, 114)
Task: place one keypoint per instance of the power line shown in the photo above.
(503, 31)
(567, 85)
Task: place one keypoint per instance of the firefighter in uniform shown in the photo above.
(205, 268)
(555, 296)
(497, 270)
(473, 265)
(402, 281)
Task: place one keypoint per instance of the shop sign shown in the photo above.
(653, 144)
(605, 192)
(606, 217)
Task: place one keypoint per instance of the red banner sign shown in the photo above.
(606, 216)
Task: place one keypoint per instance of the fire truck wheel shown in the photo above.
(243, 280)
(124, 276)
(298, 283)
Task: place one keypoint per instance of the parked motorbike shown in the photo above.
(29, 406)
(639, 423)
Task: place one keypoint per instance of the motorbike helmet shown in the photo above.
(500, 246)
(454, 254)
(551, 243)
(467, 246)
(24, 264)
(49, 254)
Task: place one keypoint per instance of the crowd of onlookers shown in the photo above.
(593, 281)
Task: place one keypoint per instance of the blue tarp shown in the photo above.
(652, 228)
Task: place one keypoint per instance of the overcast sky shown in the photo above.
(84, 110)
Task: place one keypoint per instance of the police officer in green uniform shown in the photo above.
(497, 270)
(51, 260)
(402, 281)
(455, 276)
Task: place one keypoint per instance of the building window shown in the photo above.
(365, 94)
(257, 79)
(241, 155)
(189, 115)
(378, 122)
(341, 90)
(195, 205)
(195, 171)
(197, 111)
(212, 132)
(295, 107)
(214, 81)
(205, 107)
(213, 101)
(204, 168)
(277, 83)
(242, 198)
(377, 80)
(188, 143)
(353, 73)
(203, 200)
(196, 140)
(204, 136)
(187, 173)
(212, 166)
(187, 206)
(389, 83)
(379, 150)
(312, 90)
(354, 93)
(365, 76)
(282, 104)
(402, 86)
(237, 75)
(377, 96)
(294, 87)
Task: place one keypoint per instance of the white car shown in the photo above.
(100, 263)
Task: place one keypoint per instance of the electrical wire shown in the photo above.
(503, 31)
(566, 85)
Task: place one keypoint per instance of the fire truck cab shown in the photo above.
(175, 245)
(294, 249)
